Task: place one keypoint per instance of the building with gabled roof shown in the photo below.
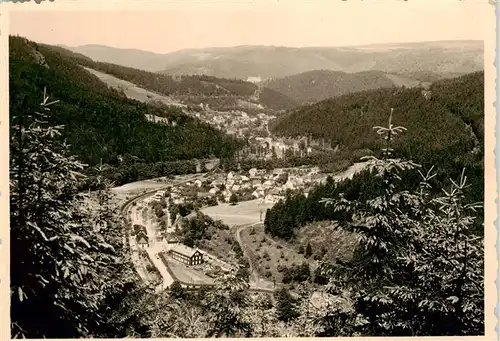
(186, 254)
(139, 228)
(142, 240)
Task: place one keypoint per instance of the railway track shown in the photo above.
(124, 208)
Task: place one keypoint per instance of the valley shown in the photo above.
(249, 191)
(242, 220)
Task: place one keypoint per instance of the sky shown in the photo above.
(295, 24)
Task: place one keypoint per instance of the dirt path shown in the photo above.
(255, 281)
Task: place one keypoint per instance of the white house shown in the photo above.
(253, 172)
(258, 194)
(227, 194)
(290, 185)
(256, 182)
(198, 182)
(179, 200)
(217, 182)
(246, 185)
(272, 199)
(254, 79)
(256, 173)
(142, 240)
(268, 184)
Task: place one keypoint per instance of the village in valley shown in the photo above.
(250, 122)
(231, 200)
(220, 212)
(228, 200)
(180, 178)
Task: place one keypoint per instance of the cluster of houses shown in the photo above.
(156, 197)
(254, 127)
(280, 147)
(236, 122)
(257, 184)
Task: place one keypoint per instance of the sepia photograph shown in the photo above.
(250, 170)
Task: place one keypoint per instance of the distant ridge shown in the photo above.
(462, 56)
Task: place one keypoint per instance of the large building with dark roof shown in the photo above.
(185, 254)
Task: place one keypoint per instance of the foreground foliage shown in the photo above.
(417, 269)
(69, 264)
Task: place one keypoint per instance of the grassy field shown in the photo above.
(267, 254)
(220, 245)
(133, 91)
(245, 212)
(328, 242)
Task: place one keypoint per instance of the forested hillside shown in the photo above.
(279, 61)
(100, 124)
(433, 123)
(444, 129)
(187, 88)
(313, 86)
(430, 76)
(416, 269)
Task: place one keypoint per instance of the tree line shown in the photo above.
(100, 125)
(417, 269)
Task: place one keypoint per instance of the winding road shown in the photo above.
(255, 281)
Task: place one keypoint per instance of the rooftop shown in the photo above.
(142, 239)
(183, 249)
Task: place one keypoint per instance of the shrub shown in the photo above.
(308, 251)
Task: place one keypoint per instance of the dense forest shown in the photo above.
(312, 86)
(416, 269)
(72, 271)
(445, 129)
(450, 137)
(100, 125)
(276, 100)
(434, 122)
(186, 87)
(410, 226)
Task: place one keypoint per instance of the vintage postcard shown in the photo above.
(248, 169)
